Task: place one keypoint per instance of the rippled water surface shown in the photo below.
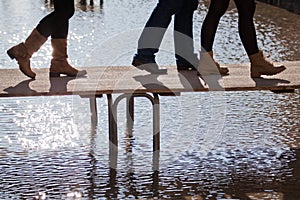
(215, 145)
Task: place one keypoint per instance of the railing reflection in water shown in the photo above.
(237, 188)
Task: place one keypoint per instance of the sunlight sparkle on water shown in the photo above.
(47, 127)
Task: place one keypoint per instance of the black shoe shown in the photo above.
(148, 65)
(184, 65)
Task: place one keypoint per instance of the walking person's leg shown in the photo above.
(217, 9)
(209, 28)
(259, 65)
(23, 51)
(246, 9)
(183, 36)
(56, 25)
(152, 35)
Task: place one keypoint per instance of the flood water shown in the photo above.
(214, 145)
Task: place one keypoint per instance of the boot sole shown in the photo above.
(145, 67)
(32, 77)
(57, 74)
(257, 74)
(54, 75)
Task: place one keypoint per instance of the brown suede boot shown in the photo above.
(59, 63)
(23, 52)
(260, 66)
(208, 66)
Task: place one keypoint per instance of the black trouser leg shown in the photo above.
(216, 10)
(156, 26)
(56, 23)
(183, 32)
(246, 9)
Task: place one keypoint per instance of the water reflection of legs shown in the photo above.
(112, 192)
(113, 143)
(93, 161)
(155, 174)
(129, 116)
(130, 172)
(291, 188)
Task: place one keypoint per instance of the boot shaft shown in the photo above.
(257, 57)
(59, 63)
(59, 47)
(34, 42)
(208, 65)
(23, 51)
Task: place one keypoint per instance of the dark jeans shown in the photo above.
(158, 22)
(217, 8)
(56, 23)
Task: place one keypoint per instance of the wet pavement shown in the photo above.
(214, 145)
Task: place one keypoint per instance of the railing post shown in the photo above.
(113, 135)
(130, 114)
(156, 123)
(93, 109)
(112, 120)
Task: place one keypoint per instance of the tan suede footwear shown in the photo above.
(208, 66)
(23, 52)
(59, 63)
(260, 66)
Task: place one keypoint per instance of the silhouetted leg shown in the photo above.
(259, 64)
(183, 33)
(216, 10)
(56, 23)
(246, 9)
(156, 26)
